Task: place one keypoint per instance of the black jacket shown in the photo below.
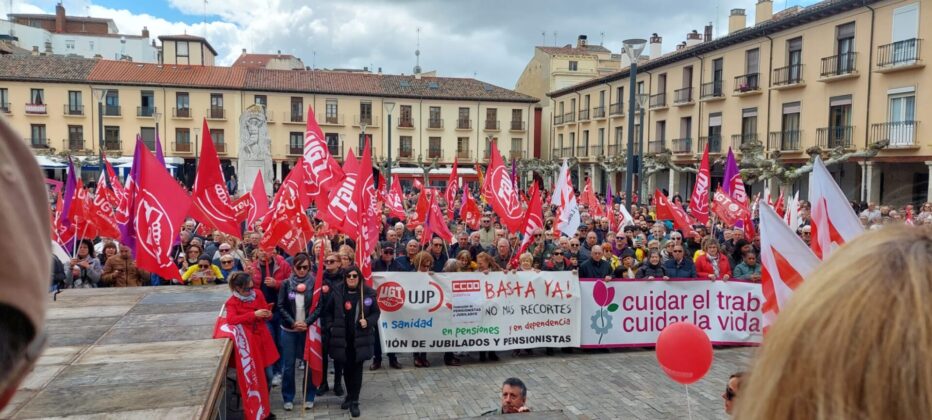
(647, 270)
(361, 339)
(286, 302)
(379, 265)
(595, 270)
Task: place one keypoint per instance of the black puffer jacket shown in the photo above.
(360, 338)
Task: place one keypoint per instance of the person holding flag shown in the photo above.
(294, 306)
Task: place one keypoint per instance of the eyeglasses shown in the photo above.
(386, 252)
(226, 262)
(730, 394)
(203, 267)
(302, 267)
(678, 251)
(437, 244)
(224, 250)
(574, 245)
(558, 253)
(330, 261)
(352, 276)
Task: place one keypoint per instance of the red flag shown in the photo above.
(668, 210)
(211, 201)
(909, 217)
(418, 185)
(780, 206)
(364, 197)
(242, 207)
(393, 200)
(833, 220)
(321, 172)
(727, 209)
(252, 385)
(533, 220)
(287, 225)
(82, 213)
(118, 195)
(259, 201)
(785, 263)
(589, 199)
(452, 186)
(313, 348)
(340, 210)
(100, 212)
(499, 191)
(470, 212)
(434, 223)
(159, 207)
(699, 200)
(421, 208)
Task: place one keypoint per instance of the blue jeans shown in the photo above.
(292, 348)
(275, 329)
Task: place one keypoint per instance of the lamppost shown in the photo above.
(100, 95)
(642, 108)
(158, 117)
(389, 107)
(633, 48)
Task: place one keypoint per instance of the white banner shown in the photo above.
(476, 311)
(631, 313)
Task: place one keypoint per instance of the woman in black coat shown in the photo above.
(354, 317)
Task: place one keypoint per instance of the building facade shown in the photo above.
(840, 73)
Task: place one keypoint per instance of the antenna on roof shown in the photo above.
(554, 38)
(314, 60)
(543, 40)
(417, 53)
(602, 41)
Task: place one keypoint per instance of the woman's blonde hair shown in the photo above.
(855, 342)
(421, 258)
(709, 241)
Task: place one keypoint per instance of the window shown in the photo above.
(662, 84)
(560, 140)
(717, 75)
(572, 140)
(295, 143)
(794, 59)
(901, 122)
(5, 99)
(69, 44)
(661, 133)
(517, 148)
(181, 48)
(405, 149)
(297, 109)
(75, 137)
(517, 117)
(748, 125)
(148, 137)
(715, 132)
(687, 76)
(839, 121)
(574, 65)
(584, 144)
(112, 102)
(261, 100)
(433, 117)
(585, 104)
(182, 139)
(561, 107)
(333, 144)
(182, 105)
(462, 147)
(905, 47)
(619, 135)
(146, 103)
(111, 137)
(37, 96)
(362, 142)
(433, 148)
(216, 134)
(686, 127)
(601, 98)
(216, 106)
(751, 79)
(74, 103)
(463, 121)
(405, 119)
(491, 119)
(844, 47)
(330, 107)
(365, 113)
(38, 136)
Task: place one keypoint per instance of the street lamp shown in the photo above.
(389, 107)
(633, 48)
(100, 95)
(158, 117)
(642, 109)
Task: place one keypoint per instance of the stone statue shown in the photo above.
(255, 149)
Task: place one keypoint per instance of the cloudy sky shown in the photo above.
(491, 40)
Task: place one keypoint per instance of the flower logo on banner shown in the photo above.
(603, 296)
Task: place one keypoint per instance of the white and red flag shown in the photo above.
(341, 212)
(564, 197)
(100, 210)
(321, 170)
(211, 201)
(452, 187)
(671, 211)
(313, 348)
(499, 191)
(533, 220)
(242, 206)
(158, 210)
(369, 213)
(287, 225)
(394, 199)
(833, 220)
(785, 262)
(588, 198)
(699, 200)
(253, 387)
(727, 209)
(258, 201)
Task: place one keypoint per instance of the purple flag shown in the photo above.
(608, 196)
(128, 229)
(731, 172)
(71, 184)
(514, 173)
(158, 149)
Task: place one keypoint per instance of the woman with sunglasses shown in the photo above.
(334, 275)
(227, 267)
(202, 273)
(354, 315)
(294, 307)
(249, 309)
(270, 270)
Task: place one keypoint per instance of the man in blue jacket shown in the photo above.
(680, 266)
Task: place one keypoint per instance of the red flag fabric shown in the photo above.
(118, 195)
(833, 220)
(287, 225)
(252, 385)
(313, 348)
(668, 210)
(421, 208)
(434, 223)
(211, 201)
(341, 212)
(588, 198)
(393, 200)
(242, 207)
(699, 200)
(452, 187)
(785, 262)
(364, 197)
(727, 209)
(533, 220)
(159, 207)
(418, 185)
(909, 217)
(498, 190)
(82, 213)
(780, 206)
(470, 212)
(259, 201)
(321, 170)
(100, 212)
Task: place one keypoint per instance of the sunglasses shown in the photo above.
(558, 253)
(302, 267)
(352, 276)
(574, 245)
(203, 266)
(385, 252)
(226, 262)
(330, 261)
(679, 251)
(224, 250)
(729, 393)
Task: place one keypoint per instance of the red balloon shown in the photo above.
(684, 352)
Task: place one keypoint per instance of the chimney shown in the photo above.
(59, 18)
(764, 11)
(35, 50)
(380, 71)
(145, 32)
(244, 51)
(48, 47)
(708, 32)
(680, 46)
(656, 44)
(581, 41)
(693, 38)
(737, 21)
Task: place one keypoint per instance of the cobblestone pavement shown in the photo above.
(623, 384)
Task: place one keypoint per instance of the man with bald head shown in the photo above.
(596, 267)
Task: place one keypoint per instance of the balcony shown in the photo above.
(714, 143)
(788, 77)
(181, 113)
(711, 91)
(112, 111)
(617, 108)
(335, 149)
(834, 137)
(216, 113)
(556, 153)
(557, 119)
(898, 133)
(518, 126)
(838, 67)
(435, 123)
(297, 118)
(517, 154)
(434, 153)
(582, 151)
(464, 154)
(682, 146)
(584, 115)
(331, 119)
(738, 140)
(221, 147)
(295, 149)
(74, 144)
(597, 150)
(786, 141)
(901, 55)
(683, 96)
(569, 117)
(464, 124)
(616, 149)
(370, 121)
(404, 153)
(113, 144)
(405, 123)
(658, 101)
(182, 146)
(39, 143)
(5, 107)
(491, 125)
(146, 111)
(655, 146)
(74, 110)
(598, 112)
(747, 84)
(36, 109)
(567, 152)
